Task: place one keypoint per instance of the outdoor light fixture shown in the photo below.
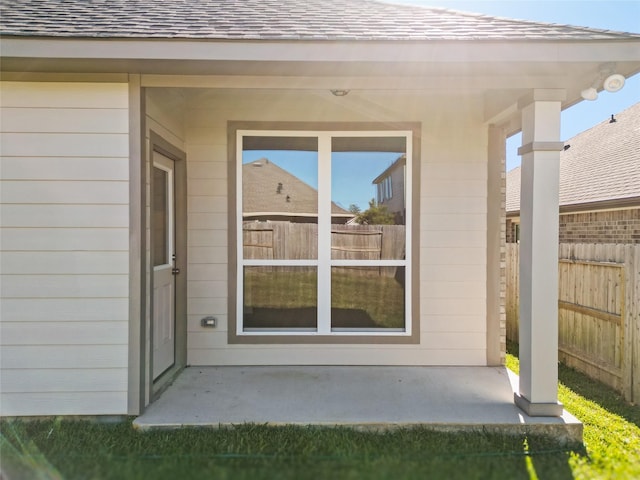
(339, 93)
(613, 83)
(589, 93)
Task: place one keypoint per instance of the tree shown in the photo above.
(376, 214)
(355, 209)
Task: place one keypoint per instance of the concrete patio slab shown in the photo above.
(443, 398)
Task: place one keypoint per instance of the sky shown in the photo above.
(621, 15)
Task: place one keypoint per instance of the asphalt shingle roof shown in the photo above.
(602, 163)
(261, 194)
(270, 20)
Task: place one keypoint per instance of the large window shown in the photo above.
(318, 253)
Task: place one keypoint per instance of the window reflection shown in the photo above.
(368, 174)
(160, 214)
(270, 192)
(367, 298)
(280, 298)
(390, 191)
(358, 266)
(280, 198)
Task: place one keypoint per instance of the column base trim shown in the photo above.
(538, 409)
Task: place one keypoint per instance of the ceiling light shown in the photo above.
(614, 82)
(340, 93)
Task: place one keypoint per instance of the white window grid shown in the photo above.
(324, 262)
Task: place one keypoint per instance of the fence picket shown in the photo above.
(599, 311)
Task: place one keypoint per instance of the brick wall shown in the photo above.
(619, 226)
(511, 232)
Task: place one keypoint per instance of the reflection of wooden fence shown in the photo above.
(280, 240)
(598, 311)
(356, 244)
(368, 242)
(298, 241)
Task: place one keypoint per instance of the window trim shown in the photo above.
(324, 131)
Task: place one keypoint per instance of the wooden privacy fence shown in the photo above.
(280, 240)
(299, 241)
(598, 311)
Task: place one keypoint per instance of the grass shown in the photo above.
(611, 425)
(56, 448)
(76, 450)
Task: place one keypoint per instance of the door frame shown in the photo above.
(158, 144)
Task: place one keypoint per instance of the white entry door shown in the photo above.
(163, 240)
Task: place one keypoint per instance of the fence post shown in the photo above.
(633, 316)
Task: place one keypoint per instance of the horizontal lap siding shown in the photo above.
(453, 235)
(207, 239)
(65, 240)
(453, 216)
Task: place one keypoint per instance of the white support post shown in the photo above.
(540, 151)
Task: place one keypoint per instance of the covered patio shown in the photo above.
(126, 143)
(442, 398)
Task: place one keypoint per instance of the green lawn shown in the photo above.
(611, 426)
(81, 450)
(68, 449)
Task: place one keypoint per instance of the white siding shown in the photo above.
(453, 191)
(64, 240)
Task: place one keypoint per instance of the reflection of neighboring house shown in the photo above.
(272, 193)
(599, 184)
(390, 188)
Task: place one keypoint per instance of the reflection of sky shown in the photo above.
(351, 172)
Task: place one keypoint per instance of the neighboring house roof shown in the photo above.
(270, 20)
(602, 164)
(400, 161)
(260, 196)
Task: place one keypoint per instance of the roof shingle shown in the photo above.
(602, 163)
(270, 20)
(268, 189)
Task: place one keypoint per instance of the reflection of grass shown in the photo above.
(275, 287)
(382, 298)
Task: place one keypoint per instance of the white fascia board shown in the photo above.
(300, 51)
